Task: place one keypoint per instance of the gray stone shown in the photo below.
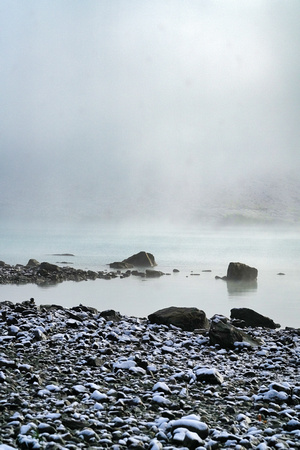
(32, 263)
(39, 335)
(209, 375)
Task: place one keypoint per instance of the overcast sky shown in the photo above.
(130, 108)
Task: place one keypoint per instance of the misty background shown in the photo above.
(122, 110)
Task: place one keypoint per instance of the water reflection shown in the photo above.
(241, 287)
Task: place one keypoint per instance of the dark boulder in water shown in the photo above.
(241, 272)
(187, 319)
(141, 259)
(251, 318)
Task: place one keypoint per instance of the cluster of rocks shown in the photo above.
(47, 273)
(44, 273)
(78, 378)
(141, 264)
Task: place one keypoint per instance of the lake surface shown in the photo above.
(199, 254)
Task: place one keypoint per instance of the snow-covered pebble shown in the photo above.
(88, 382)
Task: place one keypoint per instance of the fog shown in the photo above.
(120, 110)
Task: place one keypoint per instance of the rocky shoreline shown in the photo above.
(141, 264)
(79, 378)
(46, 273)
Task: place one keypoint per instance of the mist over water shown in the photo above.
(133, 111)
(170, 127)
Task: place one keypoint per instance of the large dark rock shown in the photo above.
(49, 271)
(241, 272)
(251, 318)
(141, 259)
(223, 333)
(188, 319)
(48, 267)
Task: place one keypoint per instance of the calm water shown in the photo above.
(190, 251)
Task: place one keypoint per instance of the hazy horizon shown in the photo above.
(175, 111)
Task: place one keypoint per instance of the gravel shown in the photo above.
(76, 378)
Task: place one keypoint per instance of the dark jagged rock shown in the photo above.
(251, 318)
(141, 259)
(187, 319)
(226, 335)
(241, 272)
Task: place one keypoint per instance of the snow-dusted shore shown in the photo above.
(77, 378)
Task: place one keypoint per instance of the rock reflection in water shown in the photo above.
(241, 287)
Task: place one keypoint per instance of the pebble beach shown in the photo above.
(79, 378)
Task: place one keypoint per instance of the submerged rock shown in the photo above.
(150, 273)
(187, 319)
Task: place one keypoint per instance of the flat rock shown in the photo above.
(187, 319)
(252, 318)
(150, 273)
